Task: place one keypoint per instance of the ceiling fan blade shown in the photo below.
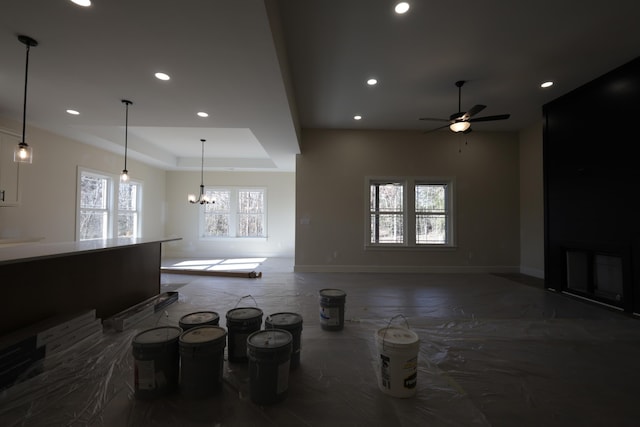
(433, 119)
(438, 128)
(473, 111)
(491, 118)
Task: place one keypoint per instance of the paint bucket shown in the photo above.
(291, 322)
(156, 361)
(241, 322)
(269, 353)
(199, 318)
(201, 360)
(398, 349)
(332, 309)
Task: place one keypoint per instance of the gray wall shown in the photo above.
(531, 202)
(48, 187)
(318, 212)
(182, 217)
(331, 202)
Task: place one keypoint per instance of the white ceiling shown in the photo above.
(260, 68)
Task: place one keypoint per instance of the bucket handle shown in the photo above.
(389, 324)
(246, 296)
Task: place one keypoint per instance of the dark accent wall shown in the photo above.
(591, 188)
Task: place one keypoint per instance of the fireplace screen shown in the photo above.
(594, 274)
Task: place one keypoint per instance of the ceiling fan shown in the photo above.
(460, 121)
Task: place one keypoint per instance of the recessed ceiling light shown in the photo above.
(372, 82)
(85, 3)
(162, 76)
(402, 7)
(547, 84)
(357, 117)
(73, 112)
(202, 114)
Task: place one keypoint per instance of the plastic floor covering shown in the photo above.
(493, 352)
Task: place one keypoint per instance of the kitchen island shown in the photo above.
(40, 280)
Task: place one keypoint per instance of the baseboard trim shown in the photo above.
(403, 269)
(534, 272)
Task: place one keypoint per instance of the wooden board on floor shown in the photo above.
(248, 275)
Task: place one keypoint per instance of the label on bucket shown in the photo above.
(240, 345)
(385, 377)
(145, 374)
(283, 377)
(330, 316)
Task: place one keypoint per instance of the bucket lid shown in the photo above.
(332, 293)
(396, 336)
(284, 319)
(157, 335)
(243, 313)
(199, 317)
(269, 338)
(202, 334)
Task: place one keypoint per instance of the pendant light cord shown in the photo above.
(126, 127)
(24, 107)
(202, 170)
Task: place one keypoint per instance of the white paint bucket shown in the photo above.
(291, 322)
(398, 350)
(269, 353)
(199, 318)
(332, 309)
(241, 322)
(156, 361)
(201, 360)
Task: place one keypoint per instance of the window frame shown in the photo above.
(112, 209)
(137, 211)
(233, 213)
(410, 214)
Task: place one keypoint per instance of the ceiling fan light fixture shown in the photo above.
(83, 3)
(460, 126)
(402, 7)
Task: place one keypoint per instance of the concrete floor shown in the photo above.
(495, 351)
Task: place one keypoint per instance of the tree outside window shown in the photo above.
(410, 212)
(236, 213)
(99, 217)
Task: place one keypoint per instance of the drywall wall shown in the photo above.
(331, 198)
(48, 187)
(531, 202)
(183, 217)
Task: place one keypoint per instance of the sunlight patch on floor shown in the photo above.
(218, 264)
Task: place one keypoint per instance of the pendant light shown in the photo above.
(124, 176)
(22, 152)
(202, 199)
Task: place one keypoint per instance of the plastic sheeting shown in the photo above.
(493, 353)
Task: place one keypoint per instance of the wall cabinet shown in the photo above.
(9, 170)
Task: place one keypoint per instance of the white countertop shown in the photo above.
(12, 253)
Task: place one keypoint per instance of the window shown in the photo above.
(431, 213)
(129, 209)
(387, 212)
(237, 213)
(98, 215)
(415, 212)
